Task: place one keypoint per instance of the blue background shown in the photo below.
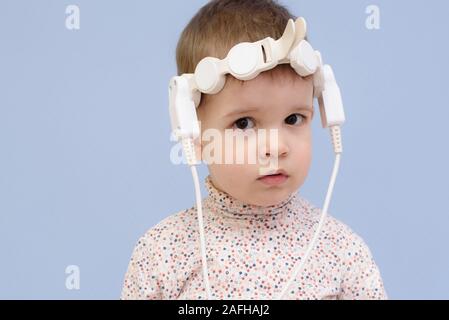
(85, 138)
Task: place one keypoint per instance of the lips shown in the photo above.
(277, 178)
(277, 172)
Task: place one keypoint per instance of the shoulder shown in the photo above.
(171, 230)
(359, 274)
(337, 234)
(153, 258)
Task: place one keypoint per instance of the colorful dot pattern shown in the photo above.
(251, 253)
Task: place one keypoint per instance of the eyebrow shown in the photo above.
(248, 110)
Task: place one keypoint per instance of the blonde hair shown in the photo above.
(221, 24)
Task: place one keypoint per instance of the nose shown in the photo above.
(274, 144)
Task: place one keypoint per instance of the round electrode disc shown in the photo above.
(308, 56)
(206, 74)
(243, 58)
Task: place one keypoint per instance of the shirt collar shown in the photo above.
(221, 202)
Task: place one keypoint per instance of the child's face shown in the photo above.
(277, 103)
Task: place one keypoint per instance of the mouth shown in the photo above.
(275, 173)
(276, 178)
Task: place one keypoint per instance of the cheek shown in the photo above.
(227, 172)
(302, 152)
(240, 165)
(239, 149)
(231, 178)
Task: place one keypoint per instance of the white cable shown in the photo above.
(189, 152)
(336, 142)
(201, 228)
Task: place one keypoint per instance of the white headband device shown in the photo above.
(245, 61)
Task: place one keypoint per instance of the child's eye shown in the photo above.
(242, 123)
(291, 119)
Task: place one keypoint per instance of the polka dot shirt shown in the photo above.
(251, 253)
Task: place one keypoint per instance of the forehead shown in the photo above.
(267, 92)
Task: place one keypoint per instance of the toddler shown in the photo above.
(257, 229)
